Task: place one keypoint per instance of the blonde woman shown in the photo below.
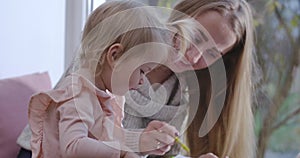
(229, 22)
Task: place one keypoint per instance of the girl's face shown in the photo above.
(129, 77)
(138, 75)
(125, 71)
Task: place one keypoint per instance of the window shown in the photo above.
(96, 3)
(164, 3)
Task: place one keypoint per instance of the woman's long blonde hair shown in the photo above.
(233, 133)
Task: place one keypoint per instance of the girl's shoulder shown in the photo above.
(68, 88)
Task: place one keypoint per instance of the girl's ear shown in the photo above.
(113, 53)
(176, 41)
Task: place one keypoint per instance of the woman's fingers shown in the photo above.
(165, 148)
(208, 155)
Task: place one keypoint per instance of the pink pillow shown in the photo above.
(14, 97)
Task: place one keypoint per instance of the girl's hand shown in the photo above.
(157, 138)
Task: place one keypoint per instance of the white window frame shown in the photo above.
(76, 15)
(77, 12)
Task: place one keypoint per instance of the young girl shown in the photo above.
(81, 116)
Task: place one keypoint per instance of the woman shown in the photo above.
(229, 23)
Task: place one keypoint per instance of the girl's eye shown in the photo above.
(198, 39)
(142, 71)
(213, 52)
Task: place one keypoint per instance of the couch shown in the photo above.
(14, 97)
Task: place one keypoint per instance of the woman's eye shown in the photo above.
(142, 71)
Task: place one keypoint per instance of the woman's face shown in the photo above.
(221, 32)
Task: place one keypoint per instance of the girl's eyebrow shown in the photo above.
(203, 36)
(200, 37)
(221, 52)
(215, 50)
(212, 52)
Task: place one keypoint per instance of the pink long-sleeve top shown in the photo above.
(76, 119)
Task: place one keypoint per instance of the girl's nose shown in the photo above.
(141, 81)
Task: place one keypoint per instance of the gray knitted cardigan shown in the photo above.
(146, 104)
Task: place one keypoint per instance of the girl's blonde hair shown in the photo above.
(128, 23)
(233, 133)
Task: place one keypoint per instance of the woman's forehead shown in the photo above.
(219, 29)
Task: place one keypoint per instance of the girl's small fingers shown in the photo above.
(170, 130)
(164, 138)
(154, 125)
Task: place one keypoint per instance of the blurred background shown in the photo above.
(42, 36)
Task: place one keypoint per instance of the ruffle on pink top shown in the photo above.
(76, 119)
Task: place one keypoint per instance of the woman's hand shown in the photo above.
(210, 155)
(157, 138)
(127, 154)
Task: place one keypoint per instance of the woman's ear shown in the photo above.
(113, 53)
